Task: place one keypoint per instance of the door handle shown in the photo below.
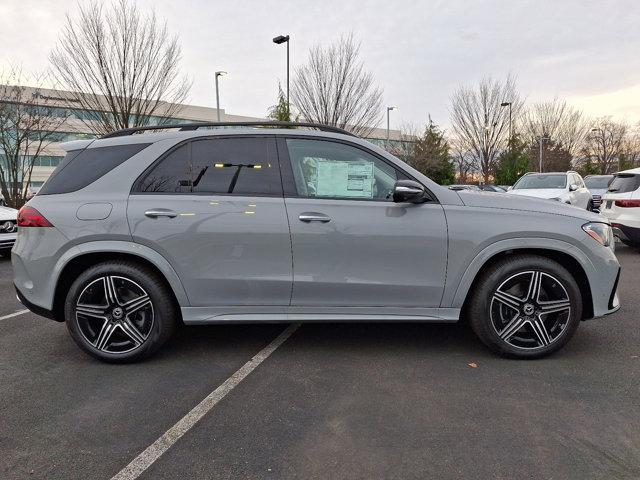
(160, 212)
(313, 217)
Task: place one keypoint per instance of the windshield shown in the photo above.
(598, 182)
(541, 181)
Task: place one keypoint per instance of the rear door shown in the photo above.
(352, 245)
(213, 207)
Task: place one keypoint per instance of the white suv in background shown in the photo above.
(565, 187)
(621, 205)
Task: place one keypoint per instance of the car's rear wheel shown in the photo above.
(119, 311)
(525, 306)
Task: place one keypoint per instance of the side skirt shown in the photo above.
(271, 314)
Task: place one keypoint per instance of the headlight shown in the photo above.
(600, 232)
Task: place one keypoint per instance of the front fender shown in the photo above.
(456, 293)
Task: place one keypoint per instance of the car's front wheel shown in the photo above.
(119, 311)
(525, 306)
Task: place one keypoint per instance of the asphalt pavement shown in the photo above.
(343, 401)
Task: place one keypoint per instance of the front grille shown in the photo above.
(597, 200)
(8, 226)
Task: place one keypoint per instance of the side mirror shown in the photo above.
(408, 191)
(573, 187)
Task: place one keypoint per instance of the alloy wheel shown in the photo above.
(530, 310)
(114, 314)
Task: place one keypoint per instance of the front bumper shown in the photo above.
(7, 240)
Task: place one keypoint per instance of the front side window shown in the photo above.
(218, 166)
(324, 169)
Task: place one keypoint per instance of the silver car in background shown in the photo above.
(564, 187)
(597, 185)
(137, 232)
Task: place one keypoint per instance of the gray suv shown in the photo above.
(140, 231)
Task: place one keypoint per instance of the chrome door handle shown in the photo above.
(313, 217)
(160, 212)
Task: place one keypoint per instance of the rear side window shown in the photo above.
(83, 167)
(624, 182)
(218, 166)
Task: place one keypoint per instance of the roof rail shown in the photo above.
(196, 126)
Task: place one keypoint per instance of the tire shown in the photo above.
(590, 206)
(139, 316)
(506, 288)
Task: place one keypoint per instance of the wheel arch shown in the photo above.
(571, 261)
(86, 256)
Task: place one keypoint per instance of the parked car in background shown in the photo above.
(565, 187)
(464, 187)
(137, 233)
(492, 188)
(8, 229)
(621, 205)
(597, 185)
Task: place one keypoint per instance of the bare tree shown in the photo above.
(605, 144)
(120, 64)
(480, 123)
(558, 121)
(333, 88)
(28, 124)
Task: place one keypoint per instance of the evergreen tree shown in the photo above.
(431, 156)
(512, 163)
(280, 112)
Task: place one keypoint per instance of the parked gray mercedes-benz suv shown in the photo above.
(137, 232)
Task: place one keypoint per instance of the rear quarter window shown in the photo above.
(623, 183)
(83, 167)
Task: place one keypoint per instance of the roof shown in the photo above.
(635, 171)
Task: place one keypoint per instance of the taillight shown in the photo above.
(628, 203)
(30, 217)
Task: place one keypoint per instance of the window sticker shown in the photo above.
(344, 179)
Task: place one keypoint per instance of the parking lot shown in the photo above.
(333, 401)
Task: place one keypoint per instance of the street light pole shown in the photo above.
(280, 39)
(218, 74)
(541, 141)
(504, 104)
(388, 122)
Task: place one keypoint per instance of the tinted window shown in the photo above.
(624, 182)
(82, 167)
(335, 170)
(223, 166)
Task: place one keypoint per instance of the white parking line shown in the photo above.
(14, 314)
(154, 451)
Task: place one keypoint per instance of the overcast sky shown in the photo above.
(585, 51)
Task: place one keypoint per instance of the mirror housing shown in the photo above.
(573, 187)
(408, 191)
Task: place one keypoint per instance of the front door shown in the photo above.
(352, 245)
(213, 207)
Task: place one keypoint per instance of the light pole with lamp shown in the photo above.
(388, 122)
(505, 104)
(280, 39)
(218, 74)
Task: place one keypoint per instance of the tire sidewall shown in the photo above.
(148, 282)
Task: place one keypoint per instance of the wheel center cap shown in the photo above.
(528, 309)
(117, 313)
